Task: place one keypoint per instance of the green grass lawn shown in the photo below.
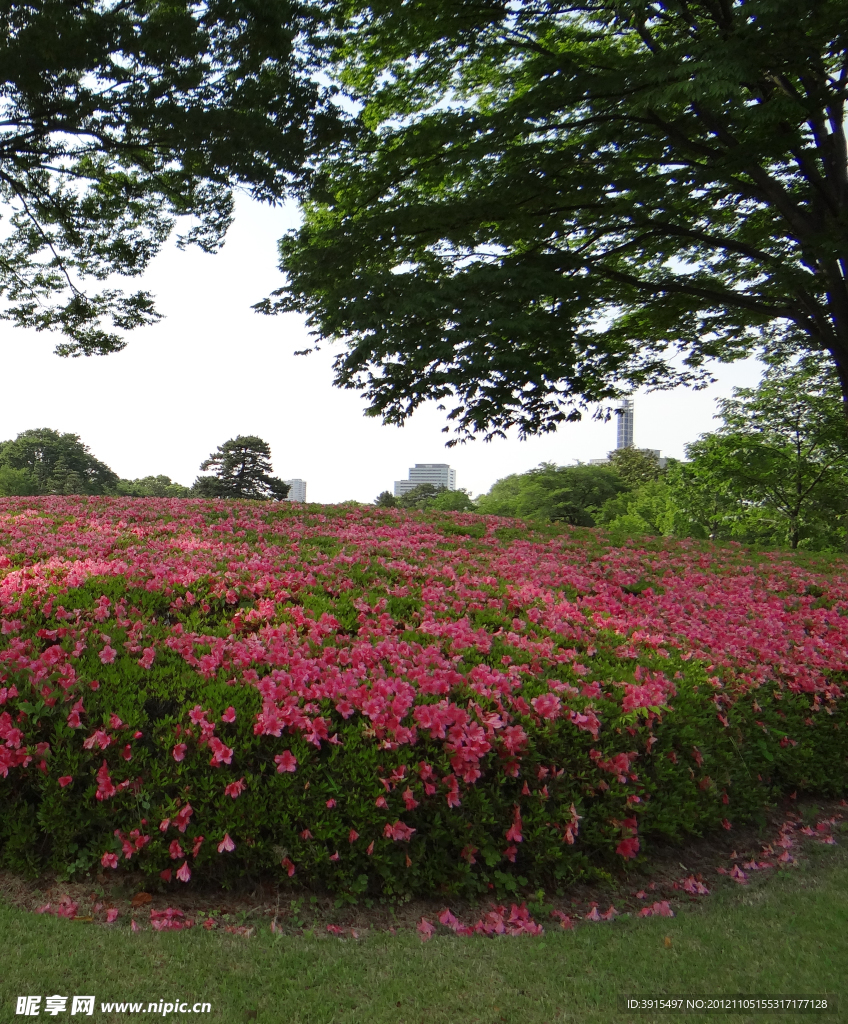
(782, 935)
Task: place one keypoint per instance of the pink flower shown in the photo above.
(380, 802)
(111, 915)
(175, 850)
(331, 803)
(288, 865)
(105, 787)
(109, 860)
(107, 655)
(235, 788)
(226, 845)
(548, 705)
(133, 925)
(165, 875)
(426, 929)
(65, 780)
(181, 820)
(306, 834)
(370, 848)
(352, 836)
(184, 872)
(179, 751)
(286, 762)
(97, 739)
(195, 848)
(398, 832)
(221, 753)
(229, 715)
(146, 659)
(126, 753)
(409, 800)
(513, 834)
(628, 847)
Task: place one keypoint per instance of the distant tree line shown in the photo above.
(44, 461)
(775, 473)
(428, 496)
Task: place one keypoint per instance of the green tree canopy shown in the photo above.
(152, 487)
(46, 462)
(546, 204)
(651, 506)
(242, 468)
(385, 499)
(453, 501)
(778, 467)
(572, 494)
(635, 465)
(120, 117)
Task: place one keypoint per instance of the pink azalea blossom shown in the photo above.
(286, 762)
(399, 832)
(628, 847)
(226, 845)
(109, 860)
(65, 780)
(235, 789)
(146, 659)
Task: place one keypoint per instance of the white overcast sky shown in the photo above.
(213, 369)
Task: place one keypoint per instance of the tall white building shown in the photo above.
(297, 490)
(439, 474)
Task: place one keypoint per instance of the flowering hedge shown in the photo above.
(366, 699)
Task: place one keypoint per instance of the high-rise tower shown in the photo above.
(625, 424)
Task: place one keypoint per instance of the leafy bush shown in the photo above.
(366, 699)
